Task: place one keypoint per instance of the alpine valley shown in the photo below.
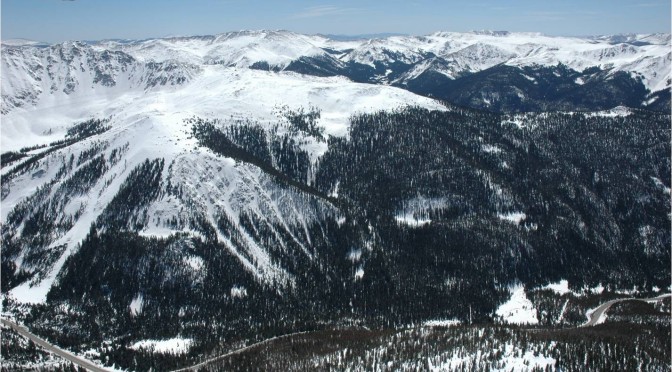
(266, 200)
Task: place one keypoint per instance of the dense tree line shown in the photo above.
(460, 348)
(579, 180)
(127, 210)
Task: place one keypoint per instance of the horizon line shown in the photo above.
(363, 36)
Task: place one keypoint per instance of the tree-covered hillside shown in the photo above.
(414, 215)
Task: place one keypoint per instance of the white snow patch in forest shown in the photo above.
(415, 212)
(442, 323)
(598, 289)
(650, 101)
(91, 354)
(27, 294)
(513, 217)
(491, 149)
(579, 81)
(561, 287)
(660, 184)
(238, 291)
(410, 220)
(174, 345)
(614, 112)
(355, 255)
(526, 362)
(600, 320)
(359, 274)
(530, 78)
(630, 292)
(518, 309)
(195, 262)
(562, 312)
(453, 364)
(512, 358)
(518, 121)
(334, 192)
(136, 305)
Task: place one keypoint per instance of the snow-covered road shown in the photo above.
(598, 315)
(53, 349)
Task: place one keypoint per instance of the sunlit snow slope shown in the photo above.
(143, 106)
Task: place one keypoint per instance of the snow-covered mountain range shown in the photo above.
(255, 170)
(646, 55)
(30, 68)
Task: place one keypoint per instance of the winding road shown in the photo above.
(594, 317)
(53, 349)
(238, 351)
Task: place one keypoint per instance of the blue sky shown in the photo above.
(60, 20)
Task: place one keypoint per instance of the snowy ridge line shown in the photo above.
(217, 91)
(66, 68)
(148, 63)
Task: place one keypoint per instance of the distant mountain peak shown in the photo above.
(23, 42)
(491, 33)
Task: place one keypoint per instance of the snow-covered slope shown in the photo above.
(518, 309)
(384, 51)
(146, 90)
(213, 91)
(145, 105)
